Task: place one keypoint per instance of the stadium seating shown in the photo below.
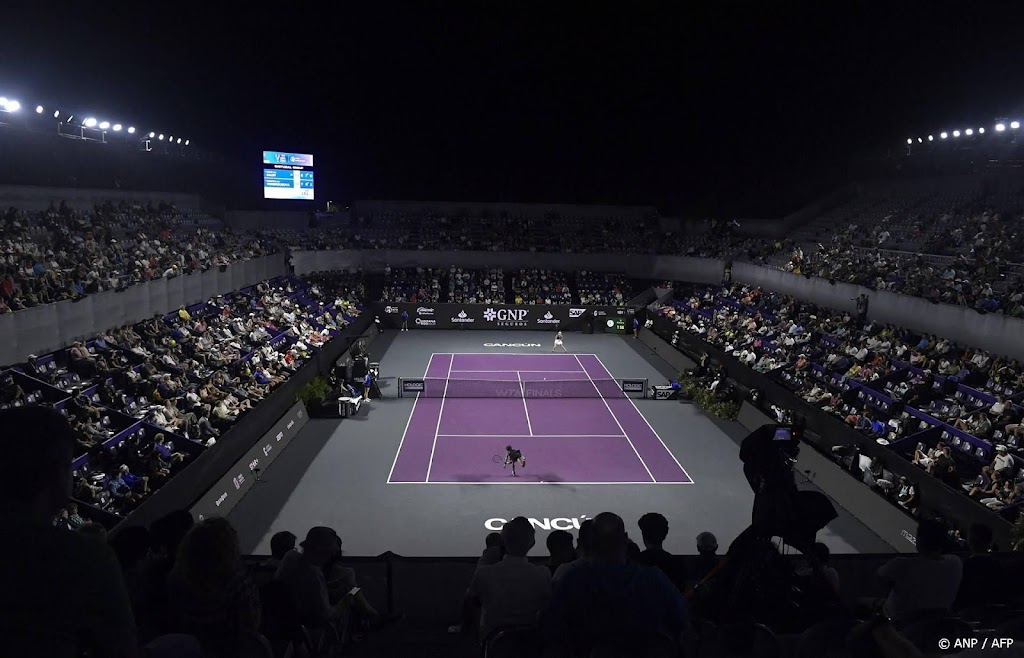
(61, 253)
(889, 383)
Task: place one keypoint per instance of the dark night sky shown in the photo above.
(680, 104)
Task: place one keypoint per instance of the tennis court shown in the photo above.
(573, 421)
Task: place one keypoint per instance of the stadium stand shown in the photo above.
(541, 287)
(477, 286)
(62, 254)
(917, 394)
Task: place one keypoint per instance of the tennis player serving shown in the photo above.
(513, 456)
(559, 342)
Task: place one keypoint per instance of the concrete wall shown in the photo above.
(250, 220)
(45, 328)
(31, 198)
(452, 208)
(655, 267)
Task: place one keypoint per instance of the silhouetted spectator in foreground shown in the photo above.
(493, 550)
(560, 549)
(512, 592)
(927, 582)
(614, 603)
(654, 530)
(982, 572)
(61, 593)
(211, 590)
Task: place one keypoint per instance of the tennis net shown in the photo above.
(441, 387)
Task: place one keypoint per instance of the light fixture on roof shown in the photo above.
(931, 138)
(981, 131)
(910, 141)
(39, 109)
(161, 138)
(1000, 127)
(104, 125)
(89, 123)
(152, 135)
(179, 140)
(170, 138)
(943, 135)
(56, 114)
(186, 142)
(131, 130)
(956, 133)
(117, 127)
(969, 132)
(1015, 124)
(920, 141)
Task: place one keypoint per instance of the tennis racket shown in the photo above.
(498, 459)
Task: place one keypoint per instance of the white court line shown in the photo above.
(408, 422)
(440, 415)
(526, 436)
(526, 482)
(571, 354)
(522, 387)
(603, 367)
(563, 371)
(621, 428)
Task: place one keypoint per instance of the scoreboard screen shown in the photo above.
(288, 176)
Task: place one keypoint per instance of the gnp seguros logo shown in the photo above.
(424, 311)
(463, 318)
(391, 309)
(507, 317)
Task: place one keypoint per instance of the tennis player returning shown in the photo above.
(559, 342)
(513, 456)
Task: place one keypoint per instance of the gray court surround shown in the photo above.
(335, 473)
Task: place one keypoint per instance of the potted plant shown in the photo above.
(314, 396)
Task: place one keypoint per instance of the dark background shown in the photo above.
(730, 108)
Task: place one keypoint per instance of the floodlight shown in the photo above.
(170, 138)
(39, 109)
(13, 106)
(186, 142)
(1000, 127)
(104, 125)
(89, 123)
(161, 137)
(179, 140)
(1015, 124)
(152, 135)
(956, 133)
(910, 141)
(131, 130)
(943, 135)
(931, 138)
(56, 114)
(981, 131)
(71, 117)
(920, 141)
(969, 132)
(117, 127)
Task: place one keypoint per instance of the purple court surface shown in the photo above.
(593, 440)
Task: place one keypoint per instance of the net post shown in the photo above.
(645, 389)
(400, 386)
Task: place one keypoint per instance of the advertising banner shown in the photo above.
(503, 316)
(224, 495)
